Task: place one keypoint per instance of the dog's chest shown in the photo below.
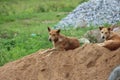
(61, 42)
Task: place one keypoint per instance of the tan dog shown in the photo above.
(61, 42)
(112, 39)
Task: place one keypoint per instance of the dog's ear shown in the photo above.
(49, 29)
(101, 28)
(109, 29)
(58, 31)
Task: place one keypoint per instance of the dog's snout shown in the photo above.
(50, 39)
(103, 37)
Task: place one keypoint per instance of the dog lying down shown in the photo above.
(112, 39)
(61, 42)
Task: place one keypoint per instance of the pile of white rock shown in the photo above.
(92, 13)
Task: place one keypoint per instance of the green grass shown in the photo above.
(23, 28)
(9, 7)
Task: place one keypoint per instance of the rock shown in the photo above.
(116, 28)
(93, 12)
(115, 74)
(84, 40)
(93, 36)
(33, 34)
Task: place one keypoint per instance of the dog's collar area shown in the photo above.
(55, 40)
(60, 39)
(109, 36)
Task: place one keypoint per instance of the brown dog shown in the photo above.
(112, 39)
(61, 42)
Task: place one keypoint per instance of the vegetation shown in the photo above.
(23, 25)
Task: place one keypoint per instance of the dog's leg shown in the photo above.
(109, 41)
(61, 49)
(49, 50)
(101, 44)
(53, 49)
(111, 44)
(105, 43)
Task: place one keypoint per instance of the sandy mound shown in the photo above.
(89, 62)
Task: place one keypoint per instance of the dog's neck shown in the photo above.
(56, 40)
(59, 39)
(111, 35)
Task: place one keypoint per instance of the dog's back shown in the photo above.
(72, 43)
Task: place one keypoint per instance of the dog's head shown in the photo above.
(105, 32)
(53, 34)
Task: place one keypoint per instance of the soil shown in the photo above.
(89, 62)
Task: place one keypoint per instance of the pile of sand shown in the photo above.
(89, 62)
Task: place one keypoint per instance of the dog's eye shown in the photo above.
(105, 32)
(101, 32)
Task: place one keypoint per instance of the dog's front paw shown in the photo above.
(100, 44)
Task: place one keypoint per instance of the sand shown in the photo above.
(89, 62)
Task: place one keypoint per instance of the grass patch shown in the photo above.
(23, 28)
(18, 40)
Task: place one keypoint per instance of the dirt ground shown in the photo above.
(89, 62)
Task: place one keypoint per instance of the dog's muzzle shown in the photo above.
(50, 39)
(103, 37)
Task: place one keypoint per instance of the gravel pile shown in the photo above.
(93, 12)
